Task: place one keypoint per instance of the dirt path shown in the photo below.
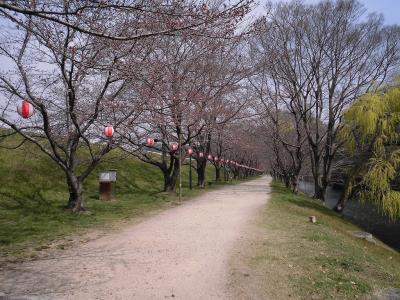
(180, 253)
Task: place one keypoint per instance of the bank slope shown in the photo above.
(293, 258)
(33, 194)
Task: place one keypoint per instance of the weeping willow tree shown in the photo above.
(371, 133)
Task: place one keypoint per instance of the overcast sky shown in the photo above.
(390, 9)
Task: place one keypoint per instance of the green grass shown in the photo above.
(302, 260)
(33, 195)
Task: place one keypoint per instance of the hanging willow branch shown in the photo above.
(371, 126)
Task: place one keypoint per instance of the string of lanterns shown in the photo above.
(150, 142)
(25, 109)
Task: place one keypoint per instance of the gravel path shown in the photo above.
(180, 253)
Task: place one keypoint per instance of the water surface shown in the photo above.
(364, 215)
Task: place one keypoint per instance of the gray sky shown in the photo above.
(390, 9)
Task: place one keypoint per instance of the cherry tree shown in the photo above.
(72, 83)
(174, 105)
(104, 74)
(185, 83)
(245, 149)
(229, 102)
(127, 20)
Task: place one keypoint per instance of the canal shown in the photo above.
(364, 215)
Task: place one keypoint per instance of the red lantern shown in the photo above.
(173, 147)
(109, 131)
(210, 157)
(149, 142)
(190, 151)
(25, 109)
(201, 154)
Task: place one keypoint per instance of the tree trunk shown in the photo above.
(318, 188)
(319, 192)
(75, 202)
(171, 179)
(201, 173)
(217, 174)
(286, 180)
(316, 172)
(348, 188)
(167, 182)
(295, 184)
(341, 202)
(326, 177)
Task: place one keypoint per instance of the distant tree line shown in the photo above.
(312, 63)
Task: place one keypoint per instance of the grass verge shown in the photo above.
(301, 260)
(33, 195)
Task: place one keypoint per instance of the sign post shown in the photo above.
(107, 178)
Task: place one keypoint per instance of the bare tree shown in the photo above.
(329, 53)
(277, 103)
